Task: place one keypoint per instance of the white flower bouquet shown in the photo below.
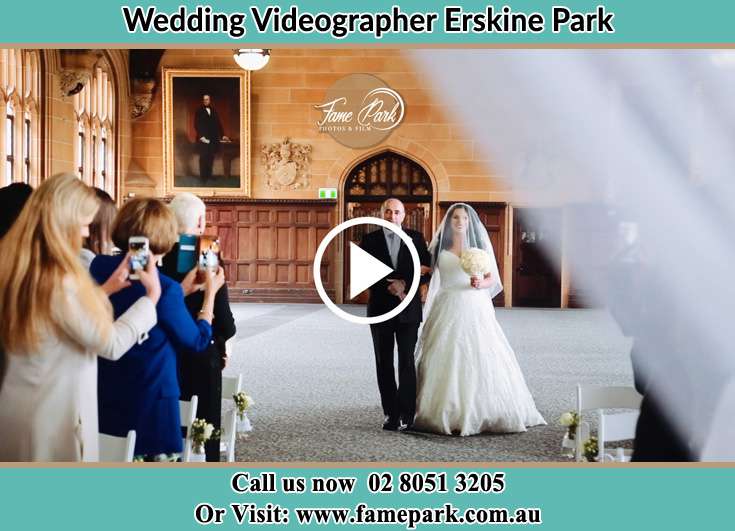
(243, 402)
(475, 262)
(570, 419)
(201, 432)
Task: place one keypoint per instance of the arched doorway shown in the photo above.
(386, 174)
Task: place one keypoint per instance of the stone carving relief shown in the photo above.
(76, 70)
(142, 97)
(286, 165)
(72, 81)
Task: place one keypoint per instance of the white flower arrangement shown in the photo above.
(201, 432)
(570, 419)
(243, 403)
(475, 262)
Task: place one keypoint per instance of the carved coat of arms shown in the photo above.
(286, 165)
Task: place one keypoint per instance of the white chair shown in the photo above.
(188, 412)
(615, 427)
(230, 386)
(591, 397)
(116, 449)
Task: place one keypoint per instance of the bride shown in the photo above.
(467, 375)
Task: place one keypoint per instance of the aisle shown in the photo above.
(313, 378)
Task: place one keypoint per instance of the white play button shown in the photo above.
(364, 270)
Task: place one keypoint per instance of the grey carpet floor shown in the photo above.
(312, 376)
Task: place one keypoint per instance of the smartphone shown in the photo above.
(187, 257)
(140, 254)
(208, 252)
(207, 255)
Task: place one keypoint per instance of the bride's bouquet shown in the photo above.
(475, 262)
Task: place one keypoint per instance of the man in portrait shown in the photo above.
(209, 135)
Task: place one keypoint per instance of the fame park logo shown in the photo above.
(360, 111)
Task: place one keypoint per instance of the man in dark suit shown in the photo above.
(209, 134)
(399, 402)
(201, 374)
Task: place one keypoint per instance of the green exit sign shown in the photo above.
(327, 193)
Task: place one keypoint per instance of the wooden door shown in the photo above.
(537, 258)
(492, 216)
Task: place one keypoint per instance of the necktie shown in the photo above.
(394, 247)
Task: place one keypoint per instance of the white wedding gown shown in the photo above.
(467, 375)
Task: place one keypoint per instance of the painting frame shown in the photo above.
(170, 76)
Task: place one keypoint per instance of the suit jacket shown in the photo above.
(208, 126)
(141, 391)
(48, 402)
(381, 301)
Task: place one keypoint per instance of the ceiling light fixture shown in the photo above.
(252, 58)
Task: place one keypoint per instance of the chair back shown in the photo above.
(231, 385)
(188, 412)
(607, 397)
(117, 449)
(615, 427)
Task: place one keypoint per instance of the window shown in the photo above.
(9, 142)
(94, 107)
(80, 152)
(93, 181)
(19, 97)
(102, 157)
(27, 149)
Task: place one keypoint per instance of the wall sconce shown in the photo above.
(252, 58)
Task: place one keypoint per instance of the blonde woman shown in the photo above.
(54, 322)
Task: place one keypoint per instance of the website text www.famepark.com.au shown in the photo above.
(448, 514)
(362, 514)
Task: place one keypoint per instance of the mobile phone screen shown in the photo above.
(208, 253)
(139, 256)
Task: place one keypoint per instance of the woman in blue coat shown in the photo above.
(141, 390)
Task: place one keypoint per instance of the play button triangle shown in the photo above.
(365, 270)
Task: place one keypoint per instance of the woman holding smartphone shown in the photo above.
(141, 391)
(54, 322)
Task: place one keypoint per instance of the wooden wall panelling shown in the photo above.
(269, 247)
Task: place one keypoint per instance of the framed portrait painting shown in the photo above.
(206, 132)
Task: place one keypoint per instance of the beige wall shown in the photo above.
(61, 127)
(282, 100)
